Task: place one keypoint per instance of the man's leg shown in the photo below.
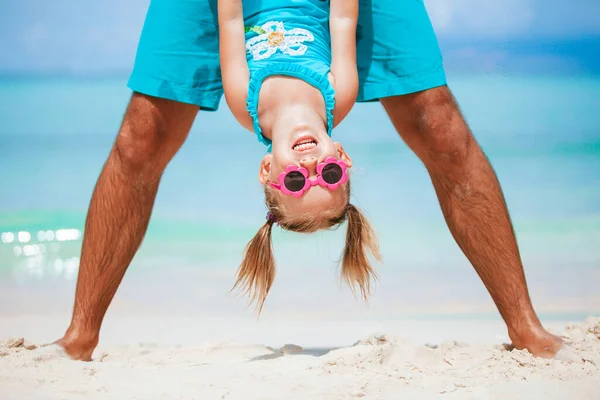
(398, 54)
(152, 132)
(473, 205)
(176, 72)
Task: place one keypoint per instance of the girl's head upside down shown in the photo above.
(307, 188)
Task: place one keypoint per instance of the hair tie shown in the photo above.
(271, 217)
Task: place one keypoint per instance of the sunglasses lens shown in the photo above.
(332, 173)
(294, 181)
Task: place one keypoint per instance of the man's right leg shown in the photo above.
(176, 72)
(152, 131)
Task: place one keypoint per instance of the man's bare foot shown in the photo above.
(540, 343)
(78, 347)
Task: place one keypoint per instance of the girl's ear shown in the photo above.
(342, 154)
(265, 169)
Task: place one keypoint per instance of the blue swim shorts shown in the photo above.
(178, 52)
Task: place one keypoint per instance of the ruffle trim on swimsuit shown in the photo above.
(308, 75)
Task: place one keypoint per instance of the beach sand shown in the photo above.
(158, 357)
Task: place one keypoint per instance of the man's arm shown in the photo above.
(342, 25)
(232, 52)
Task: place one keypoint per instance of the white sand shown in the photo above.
(383, 366)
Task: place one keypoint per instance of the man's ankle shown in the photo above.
(535, 339)
(78, 343)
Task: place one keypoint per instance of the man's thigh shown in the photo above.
(178, 53)
(397, 49)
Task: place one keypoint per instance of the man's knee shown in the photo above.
(148, 138)
(432, 124)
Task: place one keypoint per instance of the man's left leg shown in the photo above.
(400, 64)
(473, 205)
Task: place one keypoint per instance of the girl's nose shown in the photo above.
(310, 163)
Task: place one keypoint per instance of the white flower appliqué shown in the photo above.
(274, 37)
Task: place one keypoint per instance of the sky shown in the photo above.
(96, 37)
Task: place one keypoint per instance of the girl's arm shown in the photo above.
(342, 25)
(232, 53)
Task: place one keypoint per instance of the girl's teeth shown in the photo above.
(304, 146)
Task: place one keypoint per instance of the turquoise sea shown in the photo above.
(542, 135)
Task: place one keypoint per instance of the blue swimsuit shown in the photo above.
(291, 38)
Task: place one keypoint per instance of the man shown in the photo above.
(399, 64)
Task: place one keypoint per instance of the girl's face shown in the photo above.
(305, 148)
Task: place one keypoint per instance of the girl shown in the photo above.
(289, 75)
